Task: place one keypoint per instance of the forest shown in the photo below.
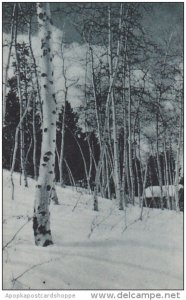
(93, 102)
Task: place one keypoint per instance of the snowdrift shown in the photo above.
(109, 249)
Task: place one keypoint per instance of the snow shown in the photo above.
(109, 249)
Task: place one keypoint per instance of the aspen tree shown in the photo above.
(177, 167)
(45, 183)
(21, 105)
(115, 135)
(8, 62)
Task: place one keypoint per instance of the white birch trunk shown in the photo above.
(41, 219)
(8, 62)
(107, 107)
(115, 136)
(21, 127)
(62, 145)
(177, 167)
(158, 163)
(130, 143)
(166, 172)
(35, 69)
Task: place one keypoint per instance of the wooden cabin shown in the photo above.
(153, 193)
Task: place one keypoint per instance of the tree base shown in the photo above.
(43, 242)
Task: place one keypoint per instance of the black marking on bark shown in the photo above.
(51, 22)
(40, 16)
(54, 112)
(35, 225)
(52, 73)
(43, 75)
(43, 165)
(43, 44)
(54, 141)
(49, 50)
(41, 229)
(52, 165)
(43, 213)
(40, 4)
(48, 187)
(48, 153)
(45, 51)
(48, 232)
(53, 95)
(45, 129)
(50, 59)
(52, 123)
(47, 243)
(51, 172)
(44, 86)
(38, 186)
(48, 37)
(51, 82)
(45, 158)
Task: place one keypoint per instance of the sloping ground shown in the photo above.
(108, 249)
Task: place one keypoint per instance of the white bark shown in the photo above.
(166, 172)
(158, 162)
(62, 144)
(41, 220)
(16, 146)
(130, 142)
(8, 62)
(35, 69)
(107, 107)
(177, 168)
(21, 127)
(115, 135)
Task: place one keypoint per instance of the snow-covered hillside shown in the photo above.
(108, 249)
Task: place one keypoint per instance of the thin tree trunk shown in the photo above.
(8, 63)
(35, 69)
(108, 179)
(137, 175)
(158, 162)
(130, 142)
(177, 167)
(124, 167)
(139, 149)
(16, 146)
(62, 145)
(95, 96)
(34, 138)
(115, 135)
(143, 199)
(18, 76)
(46, 179)
(166, 172)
